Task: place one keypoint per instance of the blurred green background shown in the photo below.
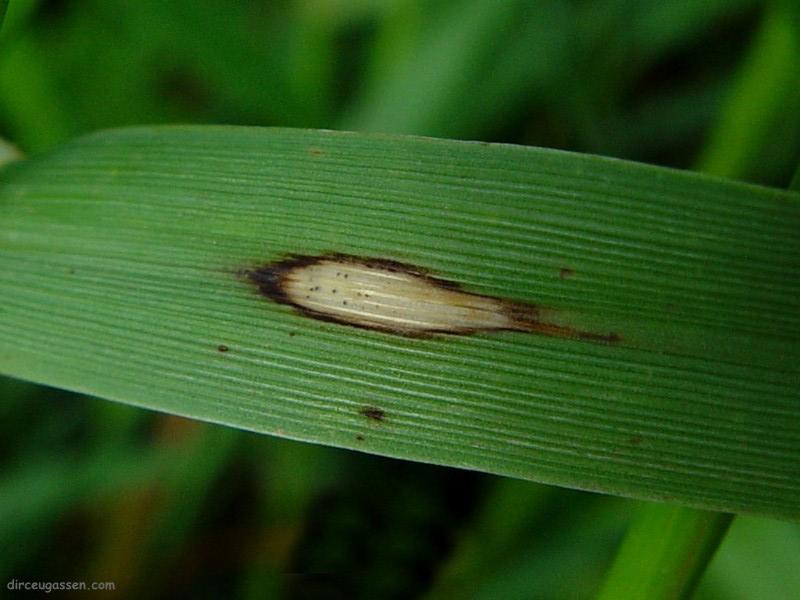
(96, 491)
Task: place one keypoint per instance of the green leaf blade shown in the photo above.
(120, 268)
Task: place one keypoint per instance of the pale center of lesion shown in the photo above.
(368, 295)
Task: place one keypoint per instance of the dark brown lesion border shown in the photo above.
(269, 280)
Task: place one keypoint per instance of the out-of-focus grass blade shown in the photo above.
(451, 77)
(510, 516)
(657, 27)
(120, 257)
(759, 124)
(753, 545)
(671, 546)
(28, 95)
(563, 558)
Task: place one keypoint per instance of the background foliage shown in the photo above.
(95, 490)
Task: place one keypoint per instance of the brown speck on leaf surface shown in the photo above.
(565, 273)
(222, 348)
(373, 413)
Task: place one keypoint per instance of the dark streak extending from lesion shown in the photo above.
(271, 281)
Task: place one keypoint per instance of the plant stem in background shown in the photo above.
(664, 553)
